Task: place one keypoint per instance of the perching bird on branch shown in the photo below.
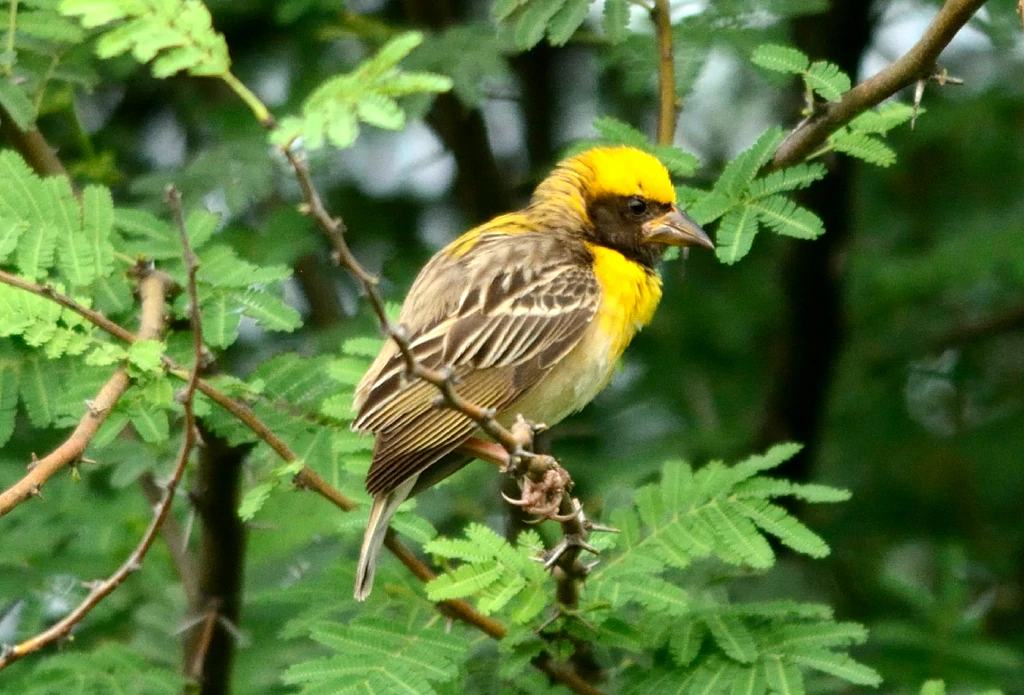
(531, 312)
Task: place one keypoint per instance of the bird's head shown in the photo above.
(621, 198)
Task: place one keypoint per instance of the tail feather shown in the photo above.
(384, 507)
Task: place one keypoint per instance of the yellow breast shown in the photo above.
(630, 294)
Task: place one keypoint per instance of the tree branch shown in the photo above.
(666, 72)
(918, 63)
(91, 315)
(152, 288)
(33, 148)
(152, 284)
(306, 478)
(516, 444)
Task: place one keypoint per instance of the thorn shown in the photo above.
(556, 553)
(918, 94)
(33, 463)
(83, 459)
(600, 528)
(943, 78)
(449, 623)
(230, 627)
(35, 491)
(547, 623)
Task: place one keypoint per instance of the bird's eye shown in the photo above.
(637, 206)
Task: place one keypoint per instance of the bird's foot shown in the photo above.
(543, 496)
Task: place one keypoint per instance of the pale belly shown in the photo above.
(571, 384)
(627, 304)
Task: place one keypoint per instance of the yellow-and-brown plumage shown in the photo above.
(531, 311)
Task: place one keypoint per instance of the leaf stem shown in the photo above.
(255, 104)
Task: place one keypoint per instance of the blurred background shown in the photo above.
(892, 347)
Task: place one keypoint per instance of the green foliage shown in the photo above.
(101, 671)
(615, 19)
(16, 103)
(471, 56)
(292, 393)
(717, 514)
(860, 138)
(176, 35)
(921, 417)
(366, 95)
(938, 687)
(744, 203)
(820, 77)
(531, 20)
(378, 656)
(615, 132)
(495, 571)
(43, 221)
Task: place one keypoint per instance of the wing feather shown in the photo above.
(500, 314)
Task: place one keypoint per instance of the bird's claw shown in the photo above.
(513, 501)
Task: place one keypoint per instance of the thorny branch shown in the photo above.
(545, 483)
(152, 288)
(306, 478)
(917, 64)
(152, 284)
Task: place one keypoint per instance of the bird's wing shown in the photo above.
(500, 315)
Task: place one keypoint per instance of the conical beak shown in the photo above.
(676, 228)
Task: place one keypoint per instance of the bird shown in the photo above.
(529, 313)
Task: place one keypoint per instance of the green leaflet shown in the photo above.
(267, 310)
(17, 104)
(779, 58)
(820, 77)
(378, 656)
(176, 35)
(615, 19)
(10, 375)
(333, 111)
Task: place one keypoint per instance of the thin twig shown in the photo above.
(517, 442)
(176, 539)
(94, 317)
(517, 448)
(152, 289)
(102, 589)
(209, 623)
(918, 63)
(444, 380)
(666, 72)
